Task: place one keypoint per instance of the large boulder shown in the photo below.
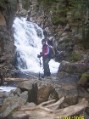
(46, 92)
(73, 68)
(38, 91)
(69, 76)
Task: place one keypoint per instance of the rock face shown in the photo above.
(6, 52)
(7, 11)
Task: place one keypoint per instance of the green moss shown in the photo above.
(75, 57)
(83, 79)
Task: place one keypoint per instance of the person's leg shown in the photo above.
(46, 67)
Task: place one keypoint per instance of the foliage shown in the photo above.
(83, 79)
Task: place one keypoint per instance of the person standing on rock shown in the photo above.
(45, 55)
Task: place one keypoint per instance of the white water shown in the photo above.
(28, 38)
(7, 88)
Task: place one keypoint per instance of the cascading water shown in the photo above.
(28, 38)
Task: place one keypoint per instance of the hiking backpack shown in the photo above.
(51, 52)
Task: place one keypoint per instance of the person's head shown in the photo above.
(43, 41)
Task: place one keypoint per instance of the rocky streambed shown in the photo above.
(32, 92)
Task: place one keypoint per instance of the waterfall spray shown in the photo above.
(28, 37)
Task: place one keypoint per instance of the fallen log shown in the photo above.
(16, 79)
(46, 110)
(74, 109)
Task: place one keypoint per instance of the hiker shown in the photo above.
(45, 55)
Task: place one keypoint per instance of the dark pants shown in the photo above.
(46, 66)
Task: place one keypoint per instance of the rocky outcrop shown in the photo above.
(6, 52)
(69, 76)
(7, 12)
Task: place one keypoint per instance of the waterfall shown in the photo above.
(28, 38)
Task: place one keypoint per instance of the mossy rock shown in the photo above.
(83, 79)
(75, 56)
